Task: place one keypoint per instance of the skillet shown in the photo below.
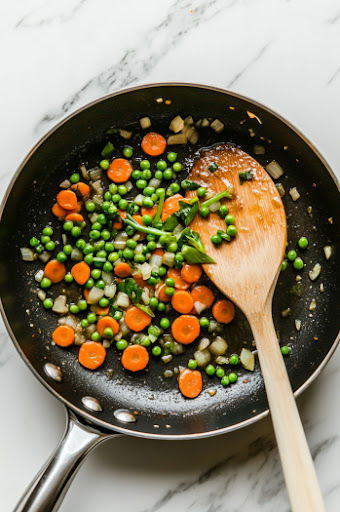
(109, 402)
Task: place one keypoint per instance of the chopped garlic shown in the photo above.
(312, 305)
(315, 272)
(328, 251)
(294, 194)
(217, 126)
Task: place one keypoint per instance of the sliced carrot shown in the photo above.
(75, 217)
(120, 170)
(161, 293)
(202, 295)
(63, 336)
(185, 329)
(81, 272)
(82, 188)
(190, 383)
(118, 224)
(153, 144)
(149, 211)
(86, 293)
(136, 319)
(77, 209)
(91, 355)
(158, 252)
(107, 321)
(101, 311)
(171, 205)
(138, 218)
(135, 358)
(182, 301)
(58, 211)
(67, 199)
(223, 311)
(191, 273)
(55, 271)
(122, 270)
(175, 274)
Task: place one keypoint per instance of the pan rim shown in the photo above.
(87, 416)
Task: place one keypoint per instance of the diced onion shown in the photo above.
(44, 256)
(274, 169)
(221, 360)
(41, 294)
(123, 327)
(168, 259)
(177, 124)
(145, 296)
(179, 138)
(139, 249)
(84, 172)
(95, 174)
(259, 150)
(97, 199)
(315, 272)
(280, 189)
(188, 121)
(60, 305)
(110, 290)
(122, 300)
(139, 199)
(177, 348)
(119, 245)
(178, 229)
(215, 206)
(79, 339)
(64, 238)
(167, 374)
(247, 359)
(27, 254)
(328, 251)
(76, 254)
(129, 186)
(145, 122)
(93, 217)
(154, 182)
(97, 187)
(218, 347)
(202, 357)
(294, 194)
(106, 343)
(297, 324)
(125, 134)
(107, 277)
(145, 269)
(71, 321)
(199, 307)
(203, 344)
(65, 184)
(167, 359)
(95, 295)
(193, 135)
(312, 305)
(214, 326)
(155, 261)
(205, 123)
(321, 287)
(39, 275)
(217, 126)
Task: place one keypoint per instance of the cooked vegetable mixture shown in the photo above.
(128, 244)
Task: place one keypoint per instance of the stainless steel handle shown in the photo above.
(49, 487)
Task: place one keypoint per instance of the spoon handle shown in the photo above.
(301, 480)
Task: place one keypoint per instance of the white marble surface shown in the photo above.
(56, 56)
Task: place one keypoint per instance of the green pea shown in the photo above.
(121, 344)
(123, 204)
(105, 206)
(162, 271)
(113, 188)
(303, 242)
(101, 253)
(39, 248)
(232, 230)
(179, 259)
(107, 267)
(61, 256)
(177, 167)
(88, 249)
(292, 255)
(161, 165)
(82, 305)
(146, 175)
(172, 157)
(100, 284)
(229, 219)
(201, 191)
(45, 283)
(113, 256)
(84, 323)
(127, 151)
(285, 350)
(225, 381)
(153, 302)
(96, 226)
(172, 247)
(216, 239)
(136, 174)
(156, 351)
(161, 306)
(74, 178)
(169, 291)
(47, 231)
(80, 243)
(76, 231)
(122, 190)
(88, 259)
(139, 258)
(232, 377)
(128, 253)
(151, 246)
(174, 187)
(89, 283)
(90, 206)
(68, 277)
(148, 191)
(220, 373)
(116, 198)
(159, 175)
(118, 315)
(50, 246)
(223, 211)
(108, 332)
(164, 323)
(129, 230)
(153, 280)
(48, 303)
(74, 309)
(192, 364)
(204, 211)
(298, 263)
(96, 273)
(131, 244)
(144, 164)
(109, 247)
(204, 321)
(104, 164)
(141, 183)
(284, 265)
(168, 174)
(234, 359)
(105, 234)
(148, 202)
(210, 369)
(170, 282)
(91, 318)
(101, 218)
(34, 241)
(95, 336)
(44, 239)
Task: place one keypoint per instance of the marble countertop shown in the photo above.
(57, 56)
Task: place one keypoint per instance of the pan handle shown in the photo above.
(49, 487)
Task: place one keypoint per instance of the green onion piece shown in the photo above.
(245, 176)
(193, 255)
(146, 309)
(144, 229)
(108, 150)
(157, 217)
(228, 193)
(213, 167)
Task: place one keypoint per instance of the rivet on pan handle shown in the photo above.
(46, 492)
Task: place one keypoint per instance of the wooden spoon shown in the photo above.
(246, 270)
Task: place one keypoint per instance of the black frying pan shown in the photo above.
(147, 405)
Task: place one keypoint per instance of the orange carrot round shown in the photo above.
(81, 272)
(223, 311)
(185, 329)
(122, 270)
(58, 211)
(76, 209)
(161, 293)
(67, 199)
(75, 217)
(190, 383)
(135, 358)
(91, 355)
(153, 144)
(63, 336)
(191, 273)
(175, 274)
(82, 188)
(182, 301)
(136, 319)
(120, 170)
(55, 271)
(171, 205)
(107, 321)
(203, 295)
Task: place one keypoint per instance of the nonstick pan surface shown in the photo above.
(158, 407)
